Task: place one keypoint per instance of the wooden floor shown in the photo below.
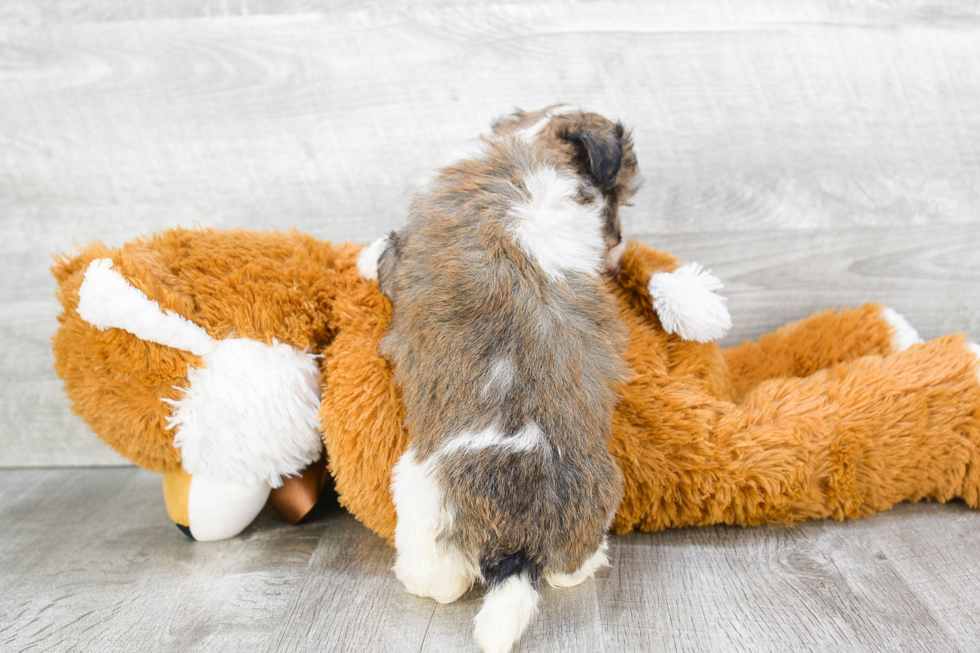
(91, 563)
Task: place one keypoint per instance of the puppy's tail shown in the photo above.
(511, 600)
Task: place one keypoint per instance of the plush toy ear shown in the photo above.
(601, 155)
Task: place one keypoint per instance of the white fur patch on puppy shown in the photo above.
(528, 438)
(367, 260)
(107, 301)
(250, 414)
(560, 234)
(505, 614)
(687, 304)
(499, 378)
(904, 334)
(528, 134)
(423, 563)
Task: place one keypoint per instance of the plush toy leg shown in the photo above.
(843, 442)
(819, 341)
(208, 509)
(297, 495)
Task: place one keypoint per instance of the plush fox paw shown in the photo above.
(208, 509)
(688, 305)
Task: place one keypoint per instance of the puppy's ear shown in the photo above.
(599, 152)
(386, 264)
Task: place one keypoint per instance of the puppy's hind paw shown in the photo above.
(587, 570)
(442, 584)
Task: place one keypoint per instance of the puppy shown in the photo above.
(507, 349)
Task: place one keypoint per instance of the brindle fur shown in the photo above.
(466, 297)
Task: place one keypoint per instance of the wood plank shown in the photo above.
(40, 12)
(742, 122)
(348, 600)
(91, 561)
(937, 554)
(819, 586)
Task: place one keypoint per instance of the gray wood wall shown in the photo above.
(813, 153)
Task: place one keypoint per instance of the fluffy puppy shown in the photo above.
(507, 349)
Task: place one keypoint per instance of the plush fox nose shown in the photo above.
(207, 509)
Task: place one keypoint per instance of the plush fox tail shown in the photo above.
(510, 603)
(106, 300)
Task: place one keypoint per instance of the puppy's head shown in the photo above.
(599, 150)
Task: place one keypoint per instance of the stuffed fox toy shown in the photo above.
(239, 363)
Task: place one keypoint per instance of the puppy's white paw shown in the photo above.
(904, 334)
(587, 570)
(426, 565)
(432, 579)
(687, 304)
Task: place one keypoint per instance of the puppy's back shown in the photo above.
(508, 362)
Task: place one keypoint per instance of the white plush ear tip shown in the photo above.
(219, 509)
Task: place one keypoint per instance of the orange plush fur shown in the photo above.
(819, 419)
(250, 284)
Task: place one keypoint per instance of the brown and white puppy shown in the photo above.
(507, 349)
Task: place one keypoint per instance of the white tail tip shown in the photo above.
(507, 610)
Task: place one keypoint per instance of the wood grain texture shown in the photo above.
(821, 586)
(19, 12)
(805, 151)
(91, 563)
(323, 121)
